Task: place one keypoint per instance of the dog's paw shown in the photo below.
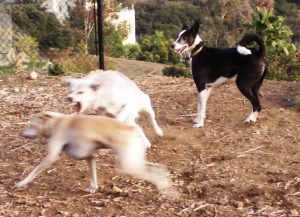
(196, 120)
(20, 184)
(198, 125)
(147, 144)
(159, 131)
(90, 190)
(251, 118)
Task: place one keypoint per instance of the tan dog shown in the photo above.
(81, 135)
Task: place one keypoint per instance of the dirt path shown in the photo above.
(225, 169)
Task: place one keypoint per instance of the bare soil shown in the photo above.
(226, 169)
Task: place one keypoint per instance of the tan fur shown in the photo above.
(81, 135)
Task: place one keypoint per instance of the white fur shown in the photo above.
(219, 81)
(252, 117)
(116, 93)
(180, 44)
(243, 50)
(201, 109)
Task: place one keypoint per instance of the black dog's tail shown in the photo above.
(248, 38)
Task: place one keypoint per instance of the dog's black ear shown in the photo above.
(95, 86)
(184, 27)
(195, 28)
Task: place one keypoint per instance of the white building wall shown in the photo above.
(127, 16)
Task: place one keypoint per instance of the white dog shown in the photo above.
(80, 136)
(114, 92)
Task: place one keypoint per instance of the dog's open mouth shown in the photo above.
(77, 107)
(180, 50)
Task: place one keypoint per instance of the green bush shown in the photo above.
(176, 71)
(6, 70)
(284, 67)
(49, 32)
(56, 69)
(296, 102)
(155, 48)
(132, 51)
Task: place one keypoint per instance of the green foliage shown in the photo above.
(43, 26)
(284, 67)
(132, 51)
(35, 63)
(167, 17)
(276, 34)
(113, 40)
(27, 44)
(177, 71)
(281, 52)
(56, 69)
(155, 48)
(282, 7)
(296, 102)
(6, 70)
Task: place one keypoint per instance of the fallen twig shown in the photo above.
(223, 137)
(202, 206)
(242, 154)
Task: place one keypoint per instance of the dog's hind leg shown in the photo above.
(54, 149)
(201, 108)
(93, 175)
(251, 93)
(147, 107)
(132, 160)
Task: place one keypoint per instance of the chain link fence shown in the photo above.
(38, 34)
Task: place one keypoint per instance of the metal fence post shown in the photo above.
(100, 34)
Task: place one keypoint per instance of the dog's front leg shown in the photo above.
(54, 150)
(201, 108)
(93, 175)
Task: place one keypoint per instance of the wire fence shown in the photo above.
(32, 32)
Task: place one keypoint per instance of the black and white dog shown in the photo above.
(214, 66)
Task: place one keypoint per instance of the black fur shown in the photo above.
(210, 63)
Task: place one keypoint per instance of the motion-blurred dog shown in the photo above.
(114, 92)
(81, 135)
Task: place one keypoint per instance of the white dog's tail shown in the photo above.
(148, 108)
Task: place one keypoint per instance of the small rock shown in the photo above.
(294, 212)
(247, 201)
(239, 204)
(23, 89)
(33, 75)
(75, 215)
(47, 205)
(117, 190)
(224, 200)
(17, 90)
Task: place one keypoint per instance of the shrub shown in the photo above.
(296, 102)
(284, 67)
(55, 69)
(155, 48)
(176, 71)
(49, 32)
(132, 51)
(6, 70)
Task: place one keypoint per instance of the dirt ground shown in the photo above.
(225, 169)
